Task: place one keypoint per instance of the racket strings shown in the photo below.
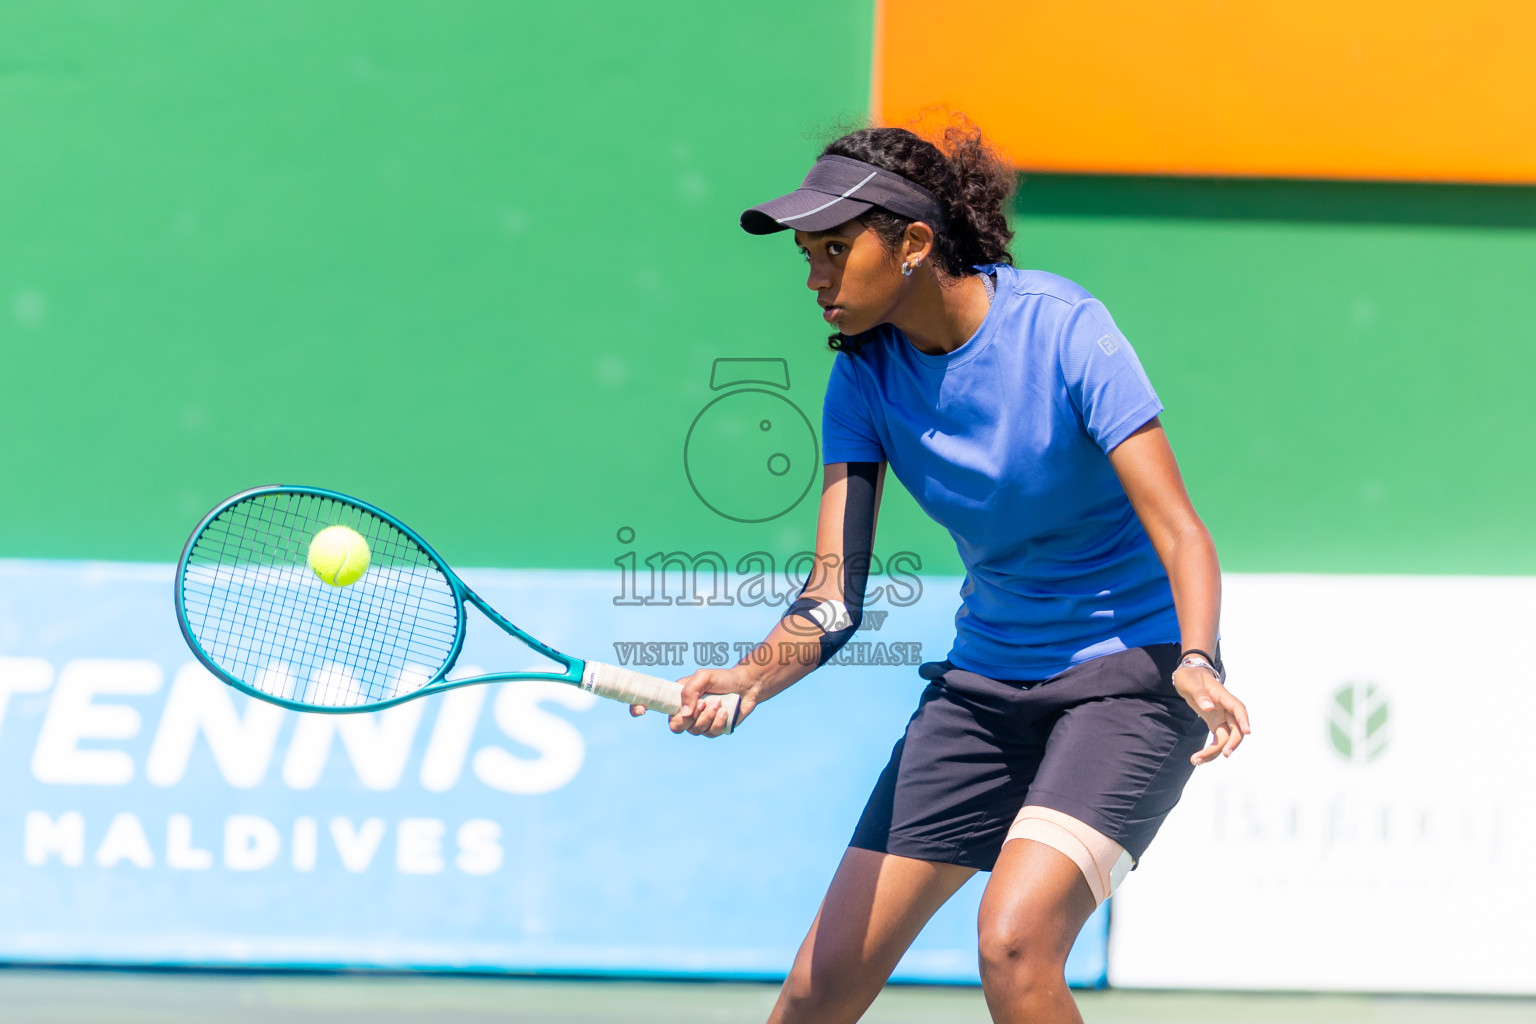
(263, 616)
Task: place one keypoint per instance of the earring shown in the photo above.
(907, 266)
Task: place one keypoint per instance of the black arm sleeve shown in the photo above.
(858, 544)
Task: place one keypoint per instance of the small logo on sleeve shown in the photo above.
(1109, 345)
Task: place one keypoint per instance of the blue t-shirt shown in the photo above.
(1004, 442)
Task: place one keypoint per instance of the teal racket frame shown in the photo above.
(574, 667)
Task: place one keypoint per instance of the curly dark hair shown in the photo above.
(971, 181)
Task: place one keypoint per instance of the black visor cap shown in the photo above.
(838, 189)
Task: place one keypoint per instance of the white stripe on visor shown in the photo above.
(829, 202)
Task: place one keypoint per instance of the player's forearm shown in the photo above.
(1194, 575)
(789, 653)
(828, 609)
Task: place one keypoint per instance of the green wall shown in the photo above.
(469, 260)
(473, 261)
(1347, 369)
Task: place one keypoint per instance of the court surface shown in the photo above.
(86, 997)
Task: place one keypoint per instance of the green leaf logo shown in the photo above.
(1359, 722)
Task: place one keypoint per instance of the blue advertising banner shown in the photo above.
(151, 815)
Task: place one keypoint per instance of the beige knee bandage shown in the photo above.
(1102, 861)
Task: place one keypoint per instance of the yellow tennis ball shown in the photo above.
(339, 555)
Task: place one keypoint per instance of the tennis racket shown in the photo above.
(256, 614)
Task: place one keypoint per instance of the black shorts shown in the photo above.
(1107, 741)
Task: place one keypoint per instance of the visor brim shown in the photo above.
(803, 209)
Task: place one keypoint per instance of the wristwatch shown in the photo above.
(1198, 658)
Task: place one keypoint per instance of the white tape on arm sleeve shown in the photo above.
(632, 687)
(830, 616)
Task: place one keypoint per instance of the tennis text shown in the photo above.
(93, 733)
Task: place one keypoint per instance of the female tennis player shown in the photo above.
(1085, 682)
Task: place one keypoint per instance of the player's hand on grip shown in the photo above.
(701, 715)
(1222, 713)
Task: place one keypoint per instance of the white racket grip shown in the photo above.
(633, 687)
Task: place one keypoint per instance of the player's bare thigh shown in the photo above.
(874, 908)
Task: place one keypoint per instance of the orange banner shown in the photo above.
(1356, 89)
